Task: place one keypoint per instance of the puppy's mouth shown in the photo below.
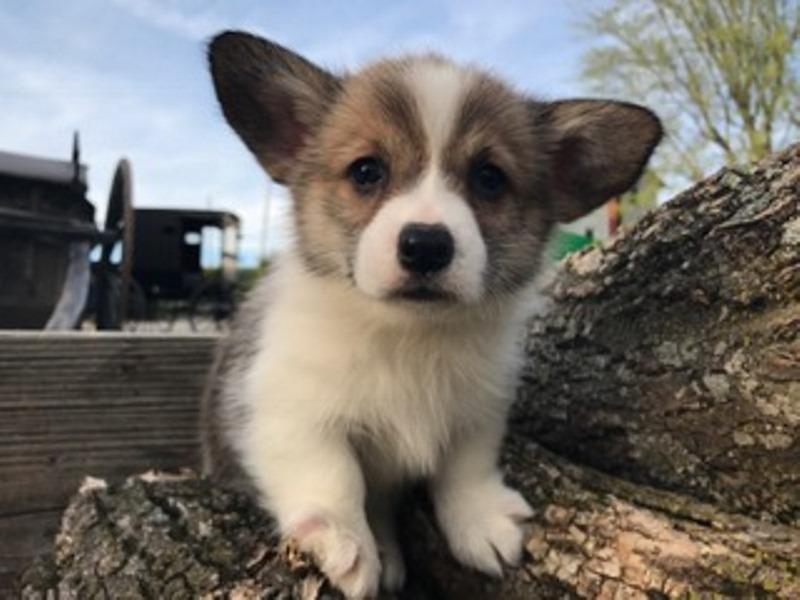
(422, 292)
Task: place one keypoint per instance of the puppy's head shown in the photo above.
(421, 180)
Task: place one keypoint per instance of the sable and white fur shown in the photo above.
(337, 386)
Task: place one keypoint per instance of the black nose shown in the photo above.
(424, 249)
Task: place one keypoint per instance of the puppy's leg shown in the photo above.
(480, 516)
(312, 482)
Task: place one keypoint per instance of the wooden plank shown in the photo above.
(76, 404)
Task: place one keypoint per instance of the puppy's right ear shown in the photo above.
(272, 97)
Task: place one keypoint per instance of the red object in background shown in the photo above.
(614, 216)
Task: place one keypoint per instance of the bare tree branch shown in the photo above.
(727, 70)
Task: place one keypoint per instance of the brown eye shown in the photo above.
(488, 181)
(366, 173)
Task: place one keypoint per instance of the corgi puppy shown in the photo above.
(385, 346)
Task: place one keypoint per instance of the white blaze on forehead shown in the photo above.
(439, 88)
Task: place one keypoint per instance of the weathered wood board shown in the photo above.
(77, 404)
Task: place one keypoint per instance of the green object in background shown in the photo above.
(565, 242)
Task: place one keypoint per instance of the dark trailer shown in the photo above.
(47, 231)
(184, 263)
(43, 210)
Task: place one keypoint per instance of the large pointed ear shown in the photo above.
(599, 148)
(271, 96)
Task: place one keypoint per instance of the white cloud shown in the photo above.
(181, 18)
(484, 20)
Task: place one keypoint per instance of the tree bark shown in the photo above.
(656, 436)
(672, 357)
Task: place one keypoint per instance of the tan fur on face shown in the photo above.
(374, 116)
(377, 114)
(494, 125)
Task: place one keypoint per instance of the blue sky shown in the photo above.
(130, 75)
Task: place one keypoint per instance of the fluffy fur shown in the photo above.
(335, 388)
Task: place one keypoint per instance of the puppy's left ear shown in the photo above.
(598, 150)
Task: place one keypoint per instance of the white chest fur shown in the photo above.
(408, 383)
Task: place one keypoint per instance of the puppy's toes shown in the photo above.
(483, 528)
(346, 557)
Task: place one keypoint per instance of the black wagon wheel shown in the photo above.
(116, 283)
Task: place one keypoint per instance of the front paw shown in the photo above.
(346, 556)
(482, 524)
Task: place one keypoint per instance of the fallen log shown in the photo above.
(656, 436)
(672, 357)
